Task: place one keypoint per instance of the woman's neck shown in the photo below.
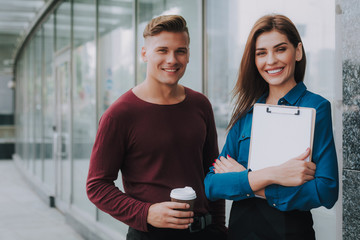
(277, 92)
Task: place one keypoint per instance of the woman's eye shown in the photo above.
(282, 49)
(260, 53)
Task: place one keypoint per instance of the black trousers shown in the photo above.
(209, 233)
(254, 219)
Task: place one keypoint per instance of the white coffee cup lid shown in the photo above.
(186, 193)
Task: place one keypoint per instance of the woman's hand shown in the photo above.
(296, 171)
(228, 164)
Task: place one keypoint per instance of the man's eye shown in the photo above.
(182, 51)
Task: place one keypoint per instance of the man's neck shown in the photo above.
(163, 94)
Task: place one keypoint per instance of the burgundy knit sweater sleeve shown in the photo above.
(106, 160)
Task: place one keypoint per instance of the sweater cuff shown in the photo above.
(144, 224)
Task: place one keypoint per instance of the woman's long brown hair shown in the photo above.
(250, 86)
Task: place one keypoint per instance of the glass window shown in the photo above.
(84, 98)
(63, 24)
(62, 137)
(116, 50)
(62, 88)
(19, 118)
(48, 103)
(38, 103)
(228, 25)
(30, 105)
(191, 11)
(26, 107)
(223, 51)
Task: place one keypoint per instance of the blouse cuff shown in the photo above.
(272, 195)
(246, 189)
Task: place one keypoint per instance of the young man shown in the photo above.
(160, 135)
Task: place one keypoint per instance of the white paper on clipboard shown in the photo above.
(279, 133)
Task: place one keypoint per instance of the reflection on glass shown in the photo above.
(48, 103)
(63, 25)
(223, 56)
(63, 125)
(19, 118)
(116, 51)
(38, 104)
(30, 107)
(191, 11)
(84, 98)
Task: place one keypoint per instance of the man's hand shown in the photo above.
(228, 164)
(168, 215)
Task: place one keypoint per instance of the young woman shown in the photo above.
(274, 202)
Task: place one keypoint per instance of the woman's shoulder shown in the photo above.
(311, 99)
(243, 125)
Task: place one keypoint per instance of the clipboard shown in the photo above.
(279, 133)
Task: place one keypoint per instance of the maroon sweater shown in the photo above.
(156, 148)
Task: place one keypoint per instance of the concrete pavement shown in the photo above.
(23, 215)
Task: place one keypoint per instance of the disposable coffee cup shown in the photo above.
(184, 195)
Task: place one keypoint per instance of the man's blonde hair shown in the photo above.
(169, 23)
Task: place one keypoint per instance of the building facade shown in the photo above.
(349, 31)
(83, 54)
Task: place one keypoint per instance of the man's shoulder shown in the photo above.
(196, 96)
(123, 105)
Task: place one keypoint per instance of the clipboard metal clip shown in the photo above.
(292, 111)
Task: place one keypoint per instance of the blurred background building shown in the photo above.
(62, 63)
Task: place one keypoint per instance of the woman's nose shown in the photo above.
(271, 59)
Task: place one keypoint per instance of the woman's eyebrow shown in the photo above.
(277, 45)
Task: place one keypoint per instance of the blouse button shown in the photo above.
(248, 195)
(274, 205)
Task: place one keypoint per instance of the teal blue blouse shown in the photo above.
(321, 191)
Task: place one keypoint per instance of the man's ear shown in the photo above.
(299, 52)
(143, 54)
(188, 57)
